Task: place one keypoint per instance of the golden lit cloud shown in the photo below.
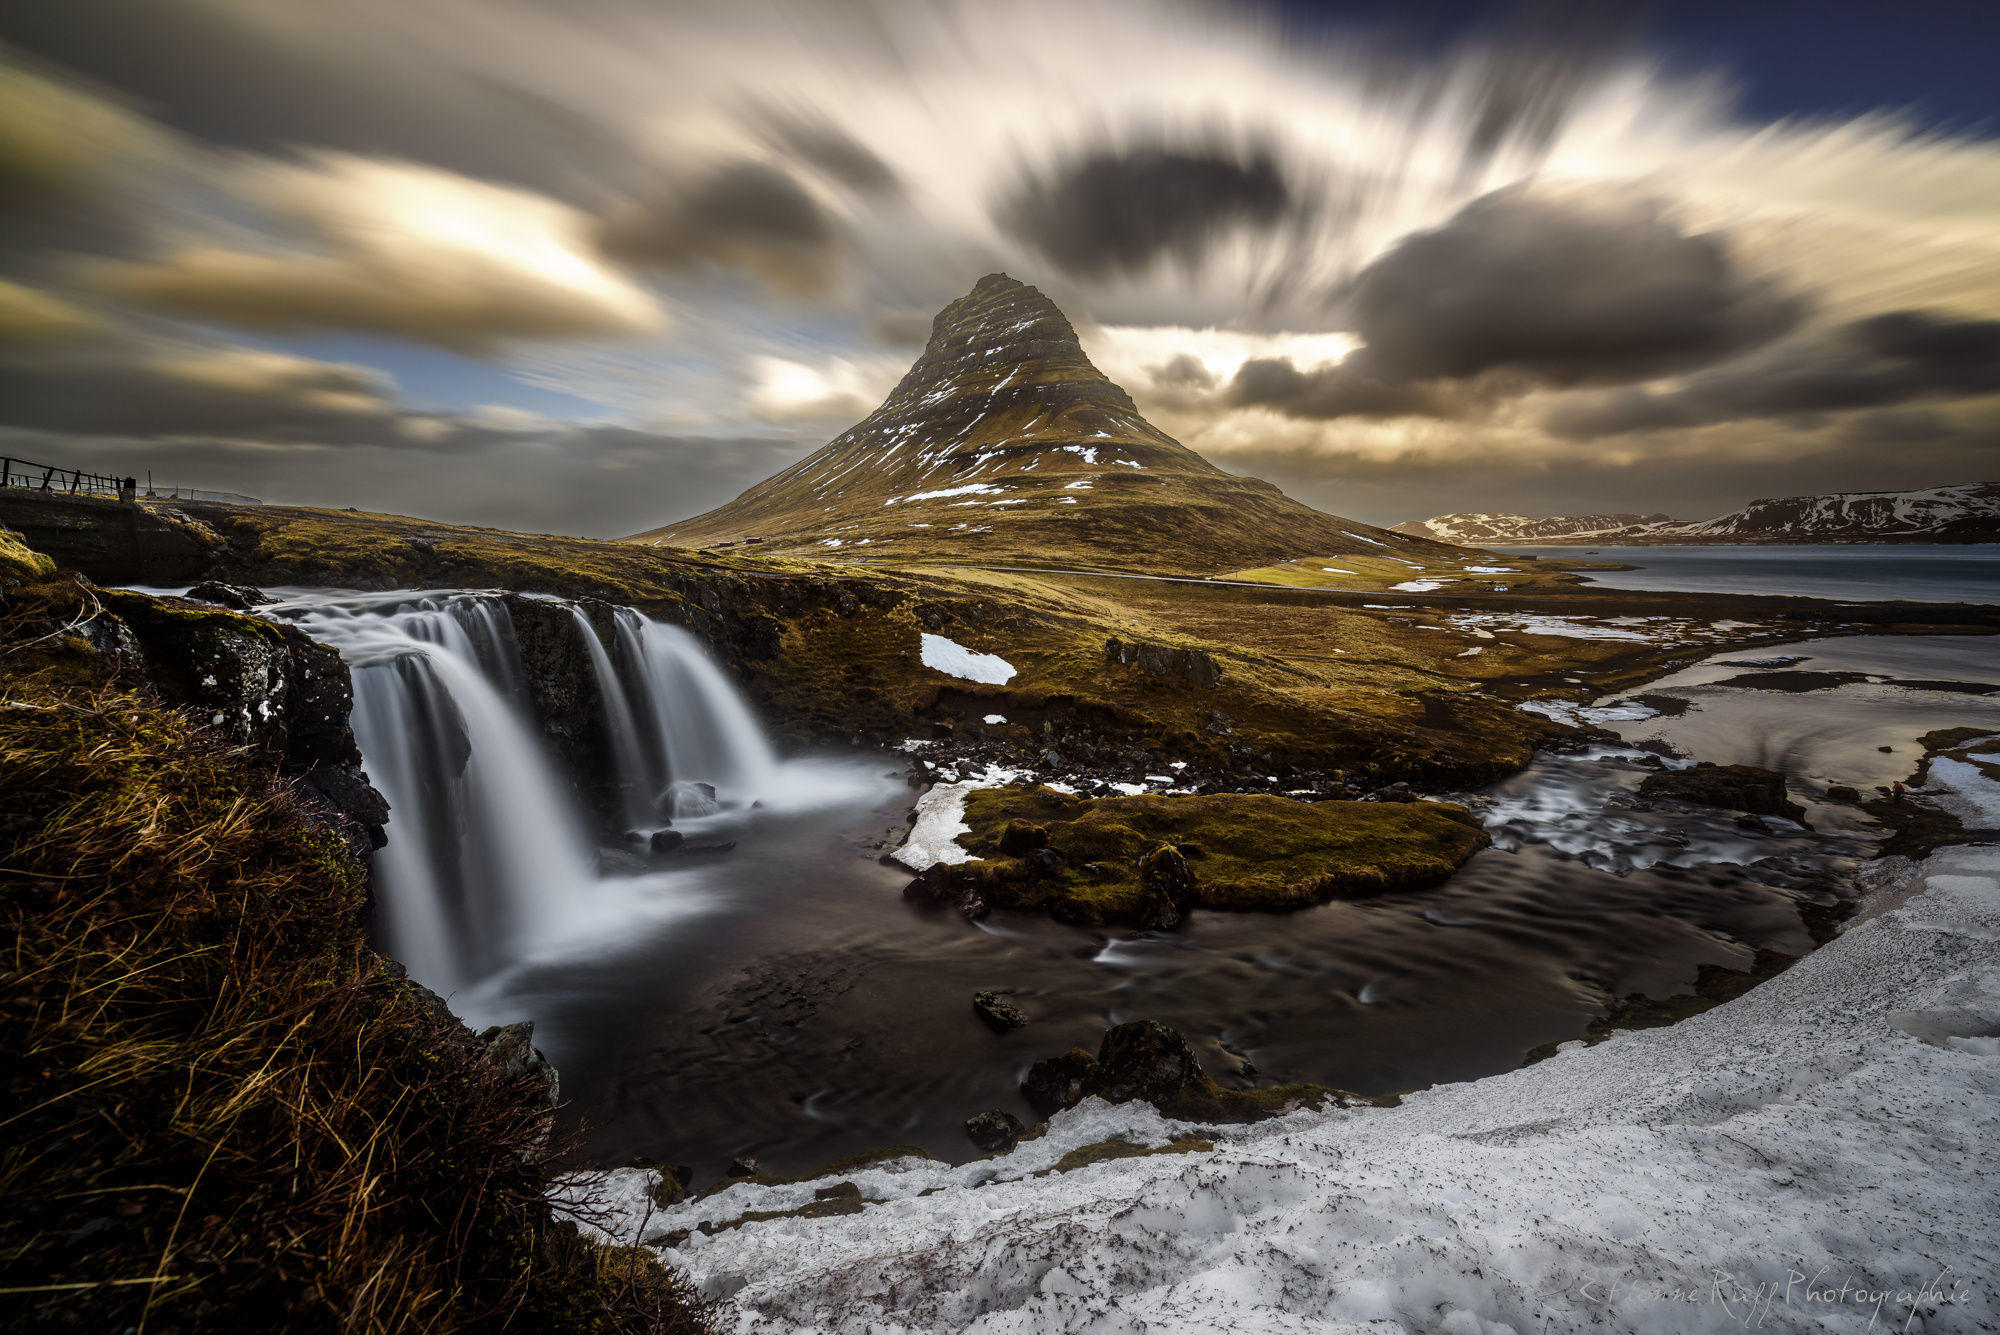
(396, 248)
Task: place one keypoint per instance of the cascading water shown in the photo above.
(700, 730)
(489, 857)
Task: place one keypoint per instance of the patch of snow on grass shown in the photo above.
(954, 659)
(1417, 585)
(940, 820)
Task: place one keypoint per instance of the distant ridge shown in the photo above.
(1962, 514)
(1003, 443)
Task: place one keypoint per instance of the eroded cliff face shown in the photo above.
(281, 697)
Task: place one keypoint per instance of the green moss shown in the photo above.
(1246, 852)
(20, 563)
(1106, 1150)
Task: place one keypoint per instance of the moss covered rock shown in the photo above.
(20, 563)
(1149, 859)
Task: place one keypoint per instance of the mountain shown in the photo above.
(1961, 514)
(1473, 530)
(1004, 444)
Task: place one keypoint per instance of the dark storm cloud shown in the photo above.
(1570, 287)
(1886, 360)
(121, 389)
(1183, 371)
(907, 327)
(1116, 210)
(269, 79)
(749, 214)
(822, 144)
(1528, 78)
(1335, 389)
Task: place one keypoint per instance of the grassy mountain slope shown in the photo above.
(1004, 444)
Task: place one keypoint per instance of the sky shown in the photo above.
(589, 266)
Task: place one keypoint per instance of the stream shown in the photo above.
(763, 989)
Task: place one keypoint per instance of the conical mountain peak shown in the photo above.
(1003, 441)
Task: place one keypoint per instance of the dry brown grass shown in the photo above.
(219, 1108)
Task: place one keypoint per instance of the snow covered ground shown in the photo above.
(954, 659)
(1817, 1155)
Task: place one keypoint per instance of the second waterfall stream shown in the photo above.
(495, 854)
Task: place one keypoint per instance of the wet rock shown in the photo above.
(240, 597)
(1189, 665)
(345, 791)
(1840, 792)
(619, 862)
(666, 841)
(267, 687)
(745, 1166)
(1055, 1083)
(511, 1047)
(1144, 1060)
(1760, 792)
(1168, 886)
(995, 1132)
(1045, 862)
(999, 1013)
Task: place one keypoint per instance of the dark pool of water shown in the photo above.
(1969, 574)
(796, 1008)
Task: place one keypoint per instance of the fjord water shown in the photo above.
(1916, 573)
(779, 997)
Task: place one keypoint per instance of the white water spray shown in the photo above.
(489, 857)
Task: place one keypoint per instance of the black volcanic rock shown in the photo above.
(1760, 792)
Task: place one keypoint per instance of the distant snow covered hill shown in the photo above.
(1966, 513)
(1474, 530)
(1005, 443)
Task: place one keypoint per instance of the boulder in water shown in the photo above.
(1144, 1060)
(666, 841)
(688, 797)
(1747, 788)
(998, 1012)
(1055, 1083)
(240, 597)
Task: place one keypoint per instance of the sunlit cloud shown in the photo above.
(396, 248)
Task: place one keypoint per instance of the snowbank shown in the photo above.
(1969, 789)
(953, 658)
(1817, 1155)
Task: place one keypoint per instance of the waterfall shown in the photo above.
(635, 782)
(489, 857)
(699, 729)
